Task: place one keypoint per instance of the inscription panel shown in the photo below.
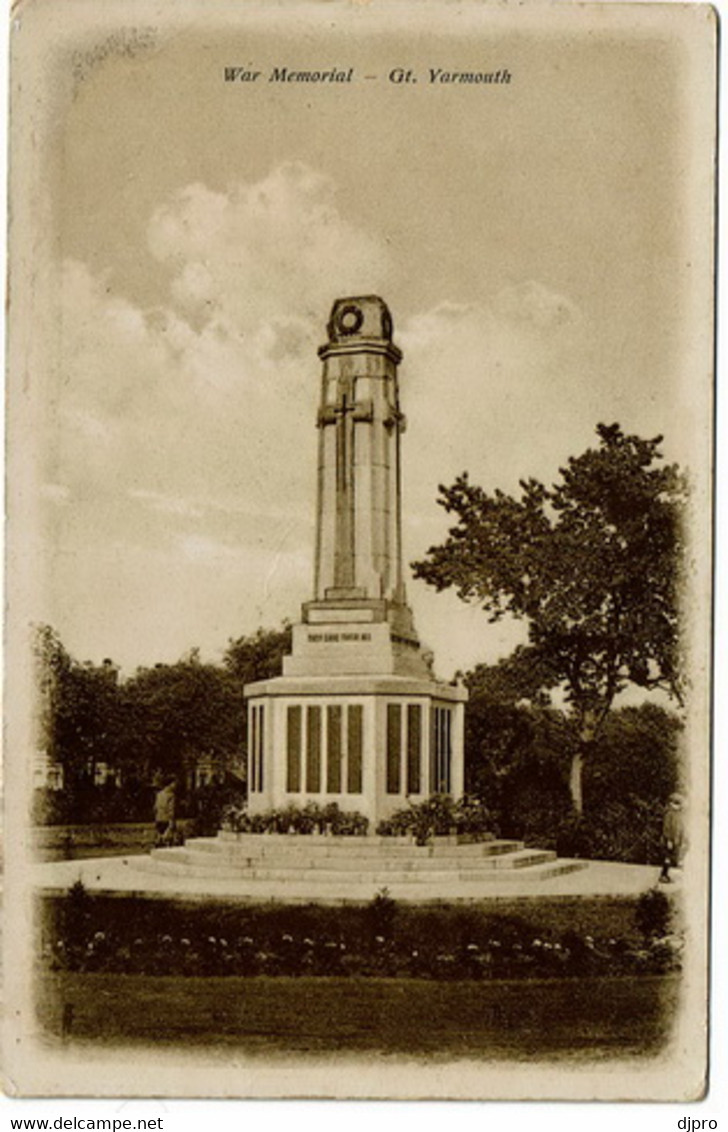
(335, 638)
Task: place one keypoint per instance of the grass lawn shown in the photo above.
(522, 1019)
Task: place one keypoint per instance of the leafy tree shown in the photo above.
(517, 754)
(517, 748)
(500, 722)
(52, 664)
(593, 564)
(637, 755)
(177, 712)
(162, 718)
(258, 657)
(78, 716)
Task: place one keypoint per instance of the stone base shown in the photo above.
(354, 648)
(370, 743)
(361, 866)
(356, 637)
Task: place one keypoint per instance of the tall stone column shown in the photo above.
(358, 551)
(349, 720)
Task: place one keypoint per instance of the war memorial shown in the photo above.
(357, 717)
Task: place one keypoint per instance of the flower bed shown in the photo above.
(467, 818)
(307, 819)
(382, 939)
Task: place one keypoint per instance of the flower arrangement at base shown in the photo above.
(309, 819)
(438, 816)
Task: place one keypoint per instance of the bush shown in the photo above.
(438, 816)
(382, 912)
(653, 914)
(518, 761)
(81, 803)
(619, 831)
(209, 803)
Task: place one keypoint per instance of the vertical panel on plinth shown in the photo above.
(313, 750)
(261, 747)
(293, 743)
(394, 748)
(333, 749)
(252, 752)
(414, 748)
(441, 751)
(458, 768)
(354, 740)
(447, 750)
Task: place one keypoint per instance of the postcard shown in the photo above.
(359, 486)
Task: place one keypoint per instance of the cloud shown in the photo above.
(189, 424)
(223, 368)
(252, 256)
(532, 303)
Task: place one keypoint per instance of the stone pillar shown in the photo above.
(358, 509)
(355, 650)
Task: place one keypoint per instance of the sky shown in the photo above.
(539, 244)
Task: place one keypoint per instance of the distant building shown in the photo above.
(211, 770)
(47, 774)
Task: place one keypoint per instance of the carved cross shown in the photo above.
(343, 413)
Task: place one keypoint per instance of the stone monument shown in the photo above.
(357, 717)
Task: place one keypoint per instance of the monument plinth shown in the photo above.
(357, 717)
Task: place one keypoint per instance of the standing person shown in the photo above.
(673, 837)
(165, 811)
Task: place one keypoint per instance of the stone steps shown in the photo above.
(370, 843)
(443, 882)
(328, 868)
(204, 851)
(354, 867)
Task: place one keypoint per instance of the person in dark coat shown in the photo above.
(673, 837)
(165, 812)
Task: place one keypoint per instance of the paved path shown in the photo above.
(133, 876)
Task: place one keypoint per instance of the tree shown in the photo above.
(637, 756)
(517, 747)
(258, 657)
(178, 712)
(499, 723)
(163, 718)
(53, 665)
(79, 708)
(593, 564)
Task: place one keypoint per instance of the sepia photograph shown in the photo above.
(360, 488)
